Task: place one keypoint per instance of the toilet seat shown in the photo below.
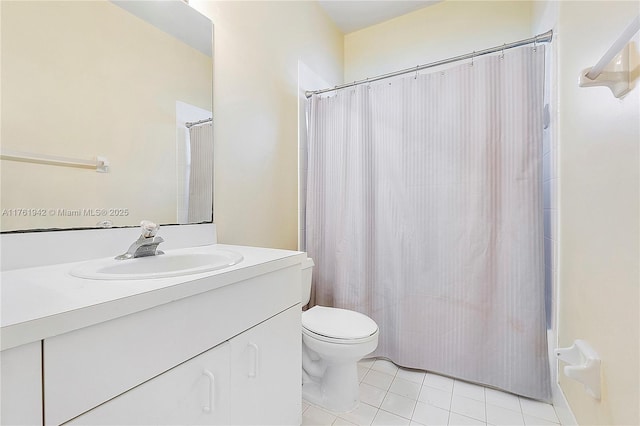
(337, 325)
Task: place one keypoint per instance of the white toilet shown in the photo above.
(333, 341)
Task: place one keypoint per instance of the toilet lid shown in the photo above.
(338, 323)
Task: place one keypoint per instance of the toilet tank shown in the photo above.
(306, 270)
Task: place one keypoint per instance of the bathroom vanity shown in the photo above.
(219, 347)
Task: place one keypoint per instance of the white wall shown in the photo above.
(257, 49)
(599, 206)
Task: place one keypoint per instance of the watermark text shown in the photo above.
(64, 212)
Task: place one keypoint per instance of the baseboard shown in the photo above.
(560, 404)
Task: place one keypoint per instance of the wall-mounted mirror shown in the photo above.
(106, 114)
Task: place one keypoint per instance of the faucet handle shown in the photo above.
(149, 229)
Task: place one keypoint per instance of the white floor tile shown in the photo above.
(468, 390)
(534, 421)
(405, 388)
(384, 418)
(384, 366)
(458, 420)
(398, 405)
(468, 407)
(436, 397)
(415, 376)
(372, 395)
(397, 396)
(378, 379)
(363, 415)
(314, 416)
(502, 399)
(538, 409)
(362, 371)
(367, 362)
(500, 416)
(429, 415)
(438, 382)
(343, 422)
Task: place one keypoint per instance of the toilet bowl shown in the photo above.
(333, 341)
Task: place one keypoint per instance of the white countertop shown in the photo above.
(45, 301)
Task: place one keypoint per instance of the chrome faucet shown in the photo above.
(146, 244)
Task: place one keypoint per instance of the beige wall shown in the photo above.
(444, 30)
(80, 79)
(257, 48)
(599, 140)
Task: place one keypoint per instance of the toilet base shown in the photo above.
(338, 389)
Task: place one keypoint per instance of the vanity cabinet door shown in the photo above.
(89, 366)
(193, 393)
(21, 374)
(266, 372)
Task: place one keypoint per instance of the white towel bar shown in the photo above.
(617, 46)
(100, 164)
(612, 70)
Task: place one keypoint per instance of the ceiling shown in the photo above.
(353, 15)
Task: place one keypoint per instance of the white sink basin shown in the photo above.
(161, 266)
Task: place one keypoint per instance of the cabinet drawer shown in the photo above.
(87, 367)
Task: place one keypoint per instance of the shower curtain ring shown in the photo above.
(472, 56)
(535, 43)
(502, 53)
(416, 76)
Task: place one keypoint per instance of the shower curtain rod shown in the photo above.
(195, 123)
(540, 38)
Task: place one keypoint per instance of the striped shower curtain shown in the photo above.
(424, 212)
(201, 174)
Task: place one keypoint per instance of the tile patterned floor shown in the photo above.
(396, 396)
